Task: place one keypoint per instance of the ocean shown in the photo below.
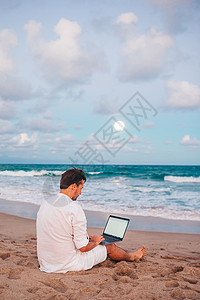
(171, 192)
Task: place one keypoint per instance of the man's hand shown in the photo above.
(95, 240)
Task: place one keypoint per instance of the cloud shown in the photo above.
(66, 138)
(11, 87)
(126, 25)
(78, 127)
(62, 144)
(134, 139)
(144, 56)
(188, 141)
(183, 94)
(168, 142)
(14, 88)
(8, 41)
(147, 149)
(7, 110)
(62, 58)
(33, 28)
(19, 144)
(127, 148)
(148, 124)
(43, 123)
(127, 18)
(74, 94)
(23, 140)
(104, 106)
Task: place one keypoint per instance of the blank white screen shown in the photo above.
(116, 227)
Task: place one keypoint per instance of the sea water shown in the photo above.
(171, 192)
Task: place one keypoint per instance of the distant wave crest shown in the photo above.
(22, 173)
(182, 179)
(149, 190)
(94, 173)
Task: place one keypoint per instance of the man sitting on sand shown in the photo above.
(62, 241)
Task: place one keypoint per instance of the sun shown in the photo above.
(119, 125)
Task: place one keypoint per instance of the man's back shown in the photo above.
(56, 242)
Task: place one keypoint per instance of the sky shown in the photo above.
(103, 82)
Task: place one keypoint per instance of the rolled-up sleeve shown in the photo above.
(79, 228)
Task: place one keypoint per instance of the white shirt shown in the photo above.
(61, 231)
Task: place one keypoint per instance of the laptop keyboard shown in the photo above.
(109, 239)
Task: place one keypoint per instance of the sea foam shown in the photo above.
(94, 173)
(182, 179)
(149, 190)
(32, 173)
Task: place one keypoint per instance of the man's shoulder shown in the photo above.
(63, 202)
(68, 202)
(76, 205)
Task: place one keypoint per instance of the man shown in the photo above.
(62, 241)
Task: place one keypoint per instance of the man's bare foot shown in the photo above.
(138, 254)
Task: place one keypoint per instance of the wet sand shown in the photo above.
(170, 270)
(98, 219)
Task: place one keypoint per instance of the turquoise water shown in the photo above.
(171, 192)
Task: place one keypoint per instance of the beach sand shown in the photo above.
(170, 270)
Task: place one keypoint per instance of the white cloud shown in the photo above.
(7, 109)
(127, 18)
(23, 140)
(183, 94)
(62, 58)
(144, 56)
(188, 141)
(8, 41)
(33, 28)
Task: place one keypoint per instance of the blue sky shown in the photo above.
(68, 67)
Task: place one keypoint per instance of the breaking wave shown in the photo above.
(182, 179)
(32, 173)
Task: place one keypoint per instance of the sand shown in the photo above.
(170, 270)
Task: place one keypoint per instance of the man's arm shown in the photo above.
(95, 240)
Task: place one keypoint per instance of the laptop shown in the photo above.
(114, 230)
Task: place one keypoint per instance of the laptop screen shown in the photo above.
(116, 226)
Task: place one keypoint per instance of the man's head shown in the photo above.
(72, 182)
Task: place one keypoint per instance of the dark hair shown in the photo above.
(72, 176)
